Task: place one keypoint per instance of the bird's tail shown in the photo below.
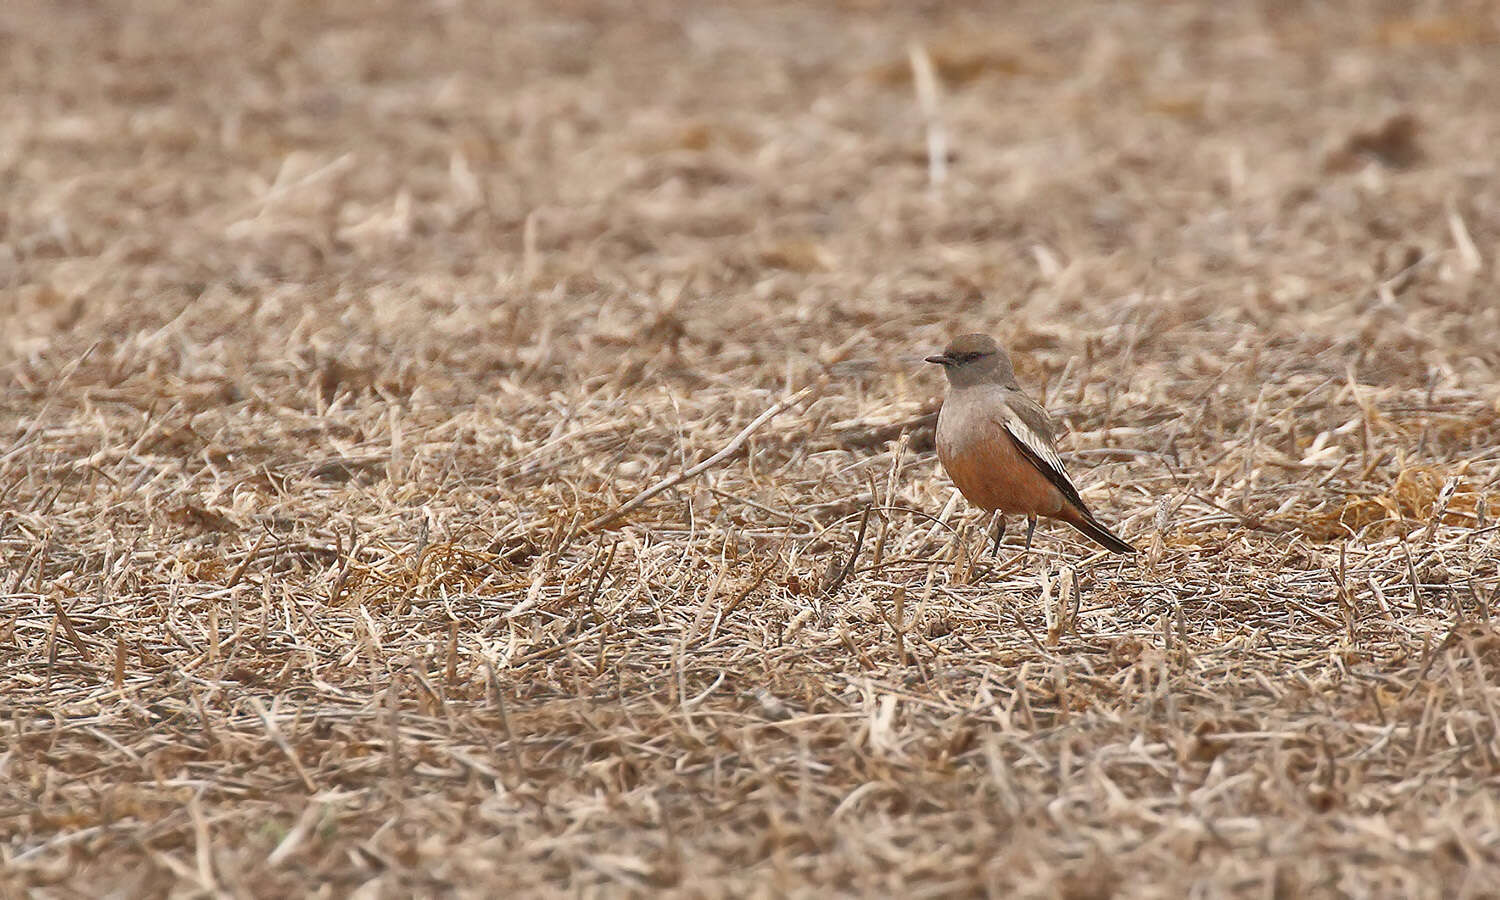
(1085, 522)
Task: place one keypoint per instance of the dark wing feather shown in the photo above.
(1034, 438)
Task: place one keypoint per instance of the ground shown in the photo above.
(344, 344)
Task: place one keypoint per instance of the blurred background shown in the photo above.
(473, 185)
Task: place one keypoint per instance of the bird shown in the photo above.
(996, 444)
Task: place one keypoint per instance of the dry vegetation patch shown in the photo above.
(336, 338)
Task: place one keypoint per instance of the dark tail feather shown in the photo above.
(1099, 534)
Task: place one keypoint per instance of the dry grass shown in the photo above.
(328, 327)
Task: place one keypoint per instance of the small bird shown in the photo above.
(996, 444)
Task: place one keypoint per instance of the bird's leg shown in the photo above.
(999, 533)
(1030, 530)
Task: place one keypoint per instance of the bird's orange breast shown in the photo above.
(989, 469)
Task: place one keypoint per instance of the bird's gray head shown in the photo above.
(975, 359)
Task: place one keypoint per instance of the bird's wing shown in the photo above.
(1029, 426)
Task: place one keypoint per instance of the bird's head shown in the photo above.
(975, 359)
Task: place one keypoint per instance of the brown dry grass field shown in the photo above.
(459, 448)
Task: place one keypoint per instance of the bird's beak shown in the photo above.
(941, 360)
